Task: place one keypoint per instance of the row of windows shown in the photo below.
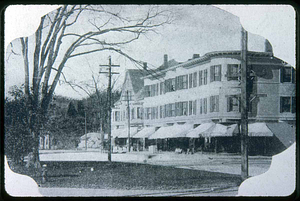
(192, 80)
(135, 113)
(184, 108)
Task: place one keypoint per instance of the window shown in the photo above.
(205, 77)
(195, 79)
(181, 108)
(200, 78)
(162, 111)
(194, 107)
(190, 107)
(117, 116)
(287, 74)
(215, 73)
(191, 80)
(288, 104)
(132, 113)
(181, 82)
(148, 113)
(139, 112)
(147, 91)
(170, 85)
(184, 108)
(214, 104)
(156, 112)
(173, 110)
(200, 106)
(162, 88)
(233, 72)
(153, 113)
(205, 105)
(233, 104)
(184, 82)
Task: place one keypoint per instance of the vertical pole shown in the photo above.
(128, 116)
(244, 106)
(109, 108)
(85, 130)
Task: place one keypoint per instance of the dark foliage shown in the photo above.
(18, 141)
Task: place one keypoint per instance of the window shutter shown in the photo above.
(212, 69)
(229, 72)
(293, 104)
(205, 105)
(281, 104)
(217, 103)
(190, 80)
(293, 75)
(228, 104)
(211, 103)
(239, 101)
(200, 78)
(176, 83)
(220, 73)
(281, 74)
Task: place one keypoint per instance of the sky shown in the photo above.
(196, 30)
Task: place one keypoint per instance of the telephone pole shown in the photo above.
(85, 130)
(128, 116)
(244, 104)
(109, 102)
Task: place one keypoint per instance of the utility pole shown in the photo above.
(244, 104)
(85, 130)
(128, 116)
(109, 102)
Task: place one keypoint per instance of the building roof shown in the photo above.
(136, 79)
(171, 63)
(254, 57)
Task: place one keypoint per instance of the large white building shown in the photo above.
(178, 99)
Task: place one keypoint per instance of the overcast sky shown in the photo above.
(200, 29)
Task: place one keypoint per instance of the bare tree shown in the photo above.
(56, 42)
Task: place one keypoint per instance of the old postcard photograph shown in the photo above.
(149, 101)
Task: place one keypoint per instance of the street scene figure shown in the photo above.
(148, 100)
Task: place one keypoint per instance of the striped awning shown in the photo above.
(124, 133)
(259, 129)
(220, 130)
(175, 131)
(145, 132)
(197, 132)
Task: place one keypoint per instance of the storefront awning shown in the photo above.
(259, 130)
(117, 132)
(174, 131)
(220, 130)
(124, 133)
(284, 132)
(196, 132)
(145, 132)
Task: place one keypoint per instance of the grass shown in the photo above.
(117, 175)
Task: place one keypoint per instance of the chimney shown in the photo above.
(165, 60)
(145, 66)
(196, 56)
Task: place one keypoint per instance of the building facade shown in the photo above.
(207, 88)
